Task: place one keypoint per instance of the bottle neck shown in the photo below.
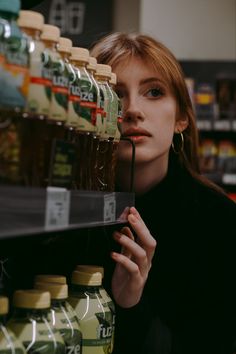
(50, 44)
(27, 313)
(31, 32)
(65, 56)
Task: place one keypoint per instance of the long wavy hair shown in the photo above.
(119, 47)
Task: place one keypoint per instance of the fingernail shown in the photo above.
(132, 218)
(117, 235)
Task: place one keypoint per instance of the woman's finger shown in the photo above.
(134, 251)
(144, 238)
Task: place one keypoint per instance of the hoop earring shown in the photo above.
(180, 144)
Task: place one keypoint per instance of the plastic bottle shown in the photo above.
(86, 118)
(59, 97)
(31, 323)
(16, 63)
(94, 318)
(117, 112)
(63, 317)
(9, 344)
(14, 80)
(38, 101)
(91, 67)
(106, 134)
(107, 300)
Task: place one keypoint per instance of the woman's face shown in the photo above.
(149, 111)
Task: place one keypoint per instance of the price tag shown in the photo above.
(204, 124)
(229, 178)
(234, 125)
(109, 212)
(57, 208)
(222, 125)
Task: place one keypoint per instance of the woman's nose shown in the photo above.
(132, 110)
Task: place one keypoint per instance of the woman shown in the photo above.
(178, 297)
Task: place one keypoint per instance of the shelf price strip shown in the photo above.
(57, 208)
(109, 211)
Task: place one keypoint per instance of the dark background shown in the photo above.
(83, 21)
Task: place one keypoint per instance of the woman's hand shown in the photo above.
(134, 261)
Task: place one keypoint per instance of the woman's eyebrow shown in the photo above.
(150, 80)
(143, 82)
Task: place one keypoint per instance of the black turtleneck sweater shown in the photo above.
(189, 301)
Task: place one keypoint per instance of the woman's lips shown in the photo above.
(137, 135)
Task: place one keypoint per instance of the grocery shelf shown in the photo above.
(28, 211)
(223, 125)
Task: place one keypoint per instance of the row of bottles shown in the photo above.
(46, 320)
(59, 113)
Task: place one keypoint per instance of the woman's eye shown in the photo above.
(154, 92)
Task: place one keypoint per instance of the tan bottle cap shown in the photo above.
(90, 268)
(80, 54)
(82, 278)
(103, 70)
(65, 45)
(50, 33)
(4, 305)
(57, 290)
(31, 299)
(50, 278)
(31, 19)
(92, 64)
(113, 79)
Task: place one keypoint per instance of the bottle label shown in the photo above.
(46, 340)
(74, 101)
(15, 73)
(66, 322)
(88, 106)
(8, 342)
(62, 164)
(103, 111)
(39, 94)
(60, 89)
(95, 324)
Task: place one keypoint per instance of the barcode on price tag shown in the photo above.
(109, 214)
(57, 208)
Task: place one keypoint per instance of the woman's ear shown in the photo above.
(181, 125)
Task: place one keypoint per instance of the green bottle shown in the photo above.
(15, 49)
(31, 323)
(8, 342)
(106, 299)
(63, 316)
(94, 316)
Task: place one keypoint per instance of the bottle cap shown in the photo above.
(11, 6)
(64, 45)
(90, 279)
(113, 79)
(92, 64)
(80, 54)
(57, 290)
(103, 70)
(50, 278)
(50, 33)
(31, 299)
(4, 305)
(90, 268)
(31, 19)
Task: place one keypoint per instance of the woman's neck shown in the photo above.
(146, 175)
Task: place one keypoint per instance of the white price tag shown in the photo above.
(109, 212)
(57, 208)
(204, 124)
(229, 178)
(222, 125)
